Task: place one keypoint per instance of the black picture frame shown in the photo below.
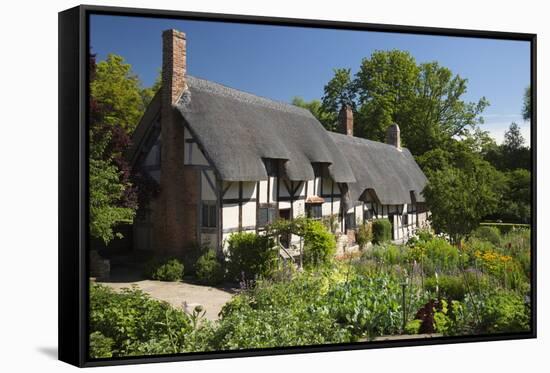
(73, 188)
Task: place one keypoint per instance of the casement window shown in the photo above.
(209, 214)
(314, 210)
(266, 215)
(350, 221)
(405, 219)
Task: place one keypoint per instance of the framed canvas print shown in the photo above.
(234, 186)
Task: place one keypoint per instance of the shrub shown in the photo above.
(251, 254)
(132, 323)
(387, 253)
(319, 244)
(504, 312)
(364, 235)
(208, 269)
(436, 254)
(169, 269)
(413, 326)
(488, 233)
(450, 287)
(192, 253)
(381, 231)
(278, 314)
(100, 346)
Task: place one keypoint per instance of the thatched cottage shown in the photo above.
(229, 161)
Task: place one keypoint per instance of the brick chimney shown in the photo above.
(393, 136)
(174, 217)
(345, 120)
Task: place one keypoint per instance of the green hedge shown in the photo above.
(381, 231)
(251, 254)
(505, 227)
(208, 268)
(165, 269)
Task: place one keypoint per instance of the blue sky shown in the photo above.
(282, 62)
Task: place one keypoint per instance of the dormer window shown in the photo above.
(271, 166)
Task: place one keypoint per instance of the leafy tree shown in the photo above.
(112, 195)
(512, 154)
(339, 92)
(462, 189)
(327, 119)
(460, 198)
(526, 110)
(118, 91)
(515, 204)
(424, 99)
(513, 140)
(106, 192)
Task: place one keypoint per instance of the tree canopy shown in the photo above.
(117, 103)
(425, 100)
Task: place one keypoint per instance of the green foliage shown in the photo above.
(100, 346)
(504, 312)
(426, 100)
(105, 191)
(450, 287)
(319, 244)
(117, 88)
(251, 254)
(413, 327)
(370, 306)
(166, 269)
(488, 233)
(278, 314)
(327, 119)
(506, 228)
(435, 254)
(364, 235)
(381, 231)
(131, 323)
(452, 319)
(512, 154)
(209, 270)
(459, 198)
(387, 254)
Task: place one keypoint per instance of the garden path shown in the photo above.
(180, 294)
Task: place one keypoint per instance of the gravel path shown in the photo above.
(183, 294)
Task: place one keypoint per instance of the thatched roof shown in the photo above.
(385, 172)
(237, 129)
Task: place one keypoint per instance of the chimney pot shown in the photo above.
(393, 136)
(345, 120)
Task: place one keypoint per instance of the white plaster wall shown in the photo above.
(249, 214)
(284, 205)
(263, 191)
(230, 216)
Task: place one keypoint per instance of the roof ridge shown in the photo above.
(363, 140)
(240, 95)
